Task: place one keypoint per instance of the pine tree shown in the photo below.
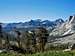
(1, 31)
(1, 35)
(18, 38)
(7, 41)
(33, 40)
(41, 38)
(26, 41)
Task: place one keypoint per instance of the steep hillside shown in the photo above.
(64, 33)
(66, 28)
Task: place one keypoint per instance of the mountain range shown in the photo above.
(33, 24)
(60, 31)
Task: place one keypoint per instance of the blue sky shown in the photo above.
(25, 10)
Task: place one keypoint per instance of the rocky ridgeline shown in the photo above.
(64, 33)
(67, 27)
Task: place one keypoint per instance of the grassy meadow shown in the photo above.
(47, 53)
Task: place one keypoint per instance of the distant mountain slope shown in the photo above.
(65, 33)
(67, 27)
(33, 24)
(66, 39)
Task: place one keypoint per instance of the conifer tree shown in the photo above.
(41, 38)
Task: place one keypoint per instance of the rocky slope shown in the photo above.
(64, 33)
(66, 28)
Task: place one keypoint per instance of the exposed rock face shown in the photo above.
(70, 25)
(66, 28)
(66, 39)
(64, 33)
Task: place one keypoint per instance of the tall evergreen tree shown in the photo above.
(1, 35)
(26, 41)
(41, 38)
(1, 30)
(18, 38)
